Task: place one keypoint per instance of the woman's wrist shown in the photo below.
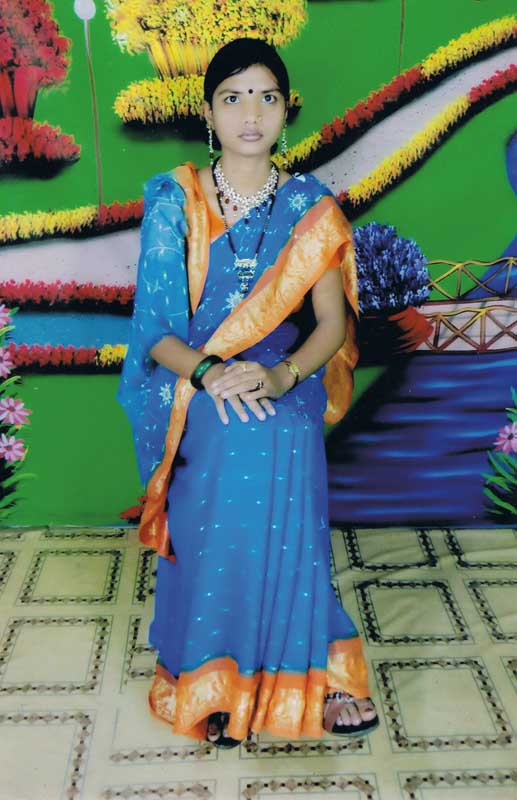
(287, 379)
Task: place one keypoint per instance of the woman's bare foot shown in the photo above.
(343, 710)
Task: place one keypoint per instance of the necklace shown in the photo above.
(241, 202)
(245, 267)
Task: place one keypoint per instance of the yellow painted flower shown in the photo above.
(401, 160)
(484, 37)
(45, 223)
(111, 354)
(141, 24)
(159, 101)
(299, 151)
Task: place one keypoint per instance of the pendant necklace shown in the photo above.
(245, 267)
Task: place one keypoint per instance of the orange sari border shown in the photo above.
(287, 704)
(322, 232)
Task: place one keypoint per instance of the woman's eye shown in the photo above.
(230, 99)
(270, 98)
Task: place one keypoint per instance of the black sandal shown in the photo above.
(220, 719)
(365, 727)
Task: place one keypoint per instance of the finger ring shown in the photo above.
(259, 385)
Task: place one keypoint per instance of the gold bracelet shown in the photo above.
(294, 370)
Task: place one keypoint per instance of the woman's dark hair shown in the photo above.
(237, 56)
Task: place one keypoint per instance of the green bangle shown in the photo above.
(201, 368)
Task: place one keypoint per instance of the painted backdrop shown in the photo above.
(406, 110)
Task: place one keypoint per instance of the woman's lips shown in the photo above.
(250, 137)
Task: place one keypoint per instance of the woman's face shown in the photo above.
(248, 111)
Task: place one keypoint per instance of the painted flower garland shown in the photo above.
(493, 35)
(35, 295)
(333, 138)
(85, 220)
(54, 358)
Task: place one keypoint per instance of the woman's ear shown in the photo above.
(207, 114)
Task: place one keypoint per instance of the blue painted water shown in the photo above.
(413, 450)
(69, 328)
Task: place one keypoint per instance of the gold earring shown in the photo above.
(210, 144)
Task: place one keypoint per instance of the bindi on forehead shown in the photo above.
(250, 91)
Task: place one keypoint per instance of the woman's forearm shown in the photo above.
(177, 356)
(319, 347)
(326, 338)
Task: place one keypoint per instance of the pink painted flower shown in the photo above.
(507, 439)
(13, 412)
(5, 317)
(10, 448)
(6, 365)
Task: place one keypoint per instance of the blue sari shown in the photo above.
(245, 618)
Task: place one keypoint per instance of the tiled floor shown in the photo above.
(438, 612)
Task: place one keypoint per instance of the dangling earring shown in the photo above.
(283, 146)
(210, 144)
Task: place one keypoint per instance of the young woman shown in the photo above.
(241, 344)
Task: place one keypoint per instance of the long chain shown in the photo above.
(245, 267)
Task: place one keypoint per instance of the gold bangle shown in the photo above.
(294, 370)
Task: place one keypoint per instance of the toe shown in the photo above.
(366, 709)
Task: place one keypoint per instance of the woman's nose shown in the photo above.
(252, 116)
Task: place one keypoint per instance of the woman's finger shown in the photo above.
(255, 406)
(268, 405)
(238, 408)
(221, 410)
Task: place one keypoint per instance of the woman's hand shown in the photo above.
(236, 383)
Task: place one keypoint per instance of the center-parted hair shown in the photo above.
(238, 56)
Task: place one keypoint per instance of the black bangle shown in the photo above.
(201, 368)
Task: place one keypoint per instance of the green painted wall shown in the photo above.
(457, 206)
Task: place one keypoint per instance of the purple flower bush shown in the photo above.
(391, 271)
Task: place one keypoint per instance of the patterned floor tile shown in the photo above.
(72, 576)
(408, 548)
(392, 612)
(260, 746)
(140, 657)
(496, 603)
(58, 743)
(138, 738)
(473, 550)
(7, 562)
(186, 790)
(324, 787)
(57, 655)
(145, 575)
(489, 784)
(441, 704)
(72, 532)
(510, 665)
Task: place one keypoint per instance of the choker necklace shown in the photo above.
(241, 202)
(245, 267)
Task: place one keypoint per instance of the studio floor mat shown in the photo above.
(437, 610)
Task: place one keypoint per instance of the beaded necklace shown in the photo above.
(245, 267)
